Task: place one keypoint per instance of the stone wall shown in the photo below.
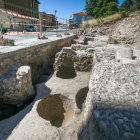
(113, 104)
(40, 57)
(21, 68)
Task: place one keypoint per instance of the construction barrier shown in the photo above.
(26, 24)
(17, 15)
(21, 32)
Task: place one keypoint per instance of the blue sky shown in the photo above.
(65, 8)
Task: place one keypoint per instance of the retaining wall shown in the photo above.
(39, 57)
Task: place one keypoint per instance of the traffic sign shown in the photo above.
(43, 19)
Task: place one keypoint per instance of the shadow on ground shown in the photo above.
(7, 125)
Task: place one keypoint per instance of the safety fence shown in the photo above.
(14, 25)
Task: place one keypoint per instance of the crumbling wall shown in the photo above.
(112, 105)
(125, 30)
(39, 57)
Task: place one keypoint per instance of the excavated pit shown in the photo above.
(57, 109)
(66, 72)
(81, 97)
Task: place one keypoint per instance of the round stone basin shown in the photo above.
(58, 109)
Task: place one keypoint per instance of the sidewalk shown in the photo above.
(25, 41)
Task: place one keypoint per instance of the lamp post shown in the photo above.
(56, 21)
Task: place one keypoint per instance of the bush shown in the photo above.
(124, 14)
(4, 30)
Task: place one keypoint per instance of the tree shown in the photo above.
(137, 4)
(126, 5)
(105, 8)
(90, 6)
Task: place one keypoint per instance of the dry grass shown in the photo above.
(134, 14)
(107, 19)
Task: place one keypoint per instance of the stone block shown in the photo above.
(58, 35)
(11, 42)
(16, 85)
(43, 37)
(4, 41)
(124, 54)
(67, 49)
(111, 40)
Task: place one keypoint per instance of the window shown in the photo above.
(34, 5)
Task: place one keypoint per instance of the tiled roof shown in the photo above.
(71, 20)
(81, 13)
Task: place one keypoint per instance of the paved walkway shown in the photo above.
(28, 40)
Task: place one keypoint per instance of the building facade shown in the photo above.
(26, 8)
(71, 21)
(49, 20)
(78, 18)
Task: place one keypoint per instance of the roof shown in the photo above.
(81, 13)
(70, 20)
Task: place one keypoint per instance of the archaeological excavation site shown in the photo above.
(82, 87)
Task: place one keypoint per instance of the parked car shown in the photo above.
(30, 28)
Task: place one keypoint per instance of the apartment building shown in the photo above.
(78, 18)
(49, 20)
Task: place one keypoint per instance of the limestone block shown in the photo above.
(43, 37)
(79, 47)
(11, 42)
(82, 38)
(67, 49)
(90, 50)
(59, 35)
(124, 54)
(111, 40)
(4, 41)
(16, 86)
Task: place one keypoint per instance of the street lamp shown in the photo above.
(56, 21)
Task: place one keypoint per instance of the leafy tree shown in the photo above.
(90, 6)
(137, 4)
(112, 8)
(126, 5)
(105, 8)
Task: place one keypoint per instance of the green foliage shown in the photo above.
(137, 4)
(105, 8)
(101, 8)
(126, 5)
(4, 30)
(124, 14)
(90, 5)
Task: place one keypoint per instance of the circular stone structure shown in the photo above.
(58, 109)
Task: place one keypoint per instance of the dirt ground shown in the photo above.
(33, 126)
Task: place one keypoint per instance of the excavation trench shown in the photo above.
(7, 111)
(57, 109)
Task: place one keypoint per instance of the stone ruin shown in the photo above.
(107, 109)
(6, 42)
(15, 88)
(112, 108)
